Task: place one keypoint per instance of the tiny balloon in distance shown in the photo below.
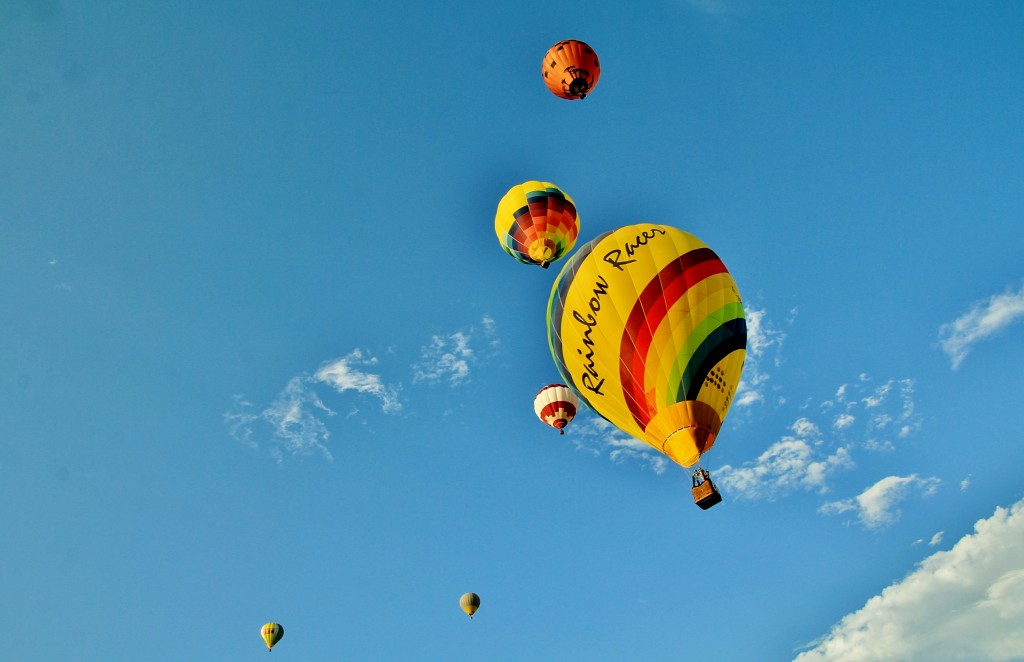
(469, 602)
(556, 405)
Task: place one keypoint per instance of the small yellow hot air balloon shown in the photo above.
(469, 602)
(272, 633)
(646, 324)
(536, 223)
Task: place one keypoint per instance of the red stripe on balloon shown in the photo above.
(553, 408)
(648, 312)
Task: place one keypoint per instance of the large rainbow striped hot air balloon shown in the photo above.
(536, 223)
(647, 325)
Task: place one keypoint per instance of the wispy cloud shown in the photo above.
(885, 413)
(764, 351)
(449, 358)
(293, 424)
(821, 444)
(876, 507)
(293, 421)
(964, 604)
(343, 374)
(591, 433)
(795, 462)
(981, 321)
(934, 542)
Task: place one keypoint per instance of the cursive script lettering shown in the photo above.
(614, 256)
(591, 379)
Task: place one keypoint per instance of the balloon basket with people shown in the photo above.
(705, 494)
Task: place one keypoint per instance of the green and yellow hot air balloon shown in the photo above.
(647, 325)
(272, 633)
(536, 223)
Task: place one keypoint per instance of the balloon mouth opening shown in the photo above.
(684, 431)
(543, 252)
(685, 446)
(560, 423)
(579, 88)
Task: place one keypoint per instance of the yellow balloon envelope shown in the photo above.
(536, 223)
(272, 633)
(469, 602)
(647, 325)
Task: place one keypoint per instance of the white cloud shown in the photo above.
(343, 375)
(964, 604)
(936, 539)
(857, 416)
(843, 421)
(878, 397)
(984, 319)
(490, 331)
(293, 424)
(449, 357)
(965, 483)
(879, 445)
(802, 427)
(888, 412)
(764, 346)
(792, 463)
(446, 357)
(294, 418)
(875, 507)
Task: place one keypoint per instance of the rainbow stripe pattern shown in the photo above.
(536, 223)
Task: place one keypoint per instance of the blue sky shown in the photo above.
(264, 359)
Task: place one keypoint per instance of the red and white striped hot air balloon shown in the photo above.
(556, 405)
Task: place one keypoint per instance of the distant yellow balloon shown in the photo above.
(272, 633)
(536, 223)
(469, 602)
(646, 324)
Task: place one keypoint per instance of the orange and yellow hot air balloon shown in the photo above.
(556, 405)
(272, 633)
(571, 69)
(536, 223)
(646, 324)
